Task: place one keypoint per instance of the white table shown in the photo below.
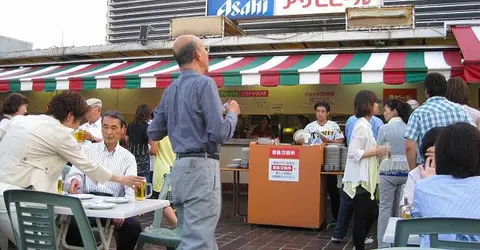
(389, 236)
(120, 211)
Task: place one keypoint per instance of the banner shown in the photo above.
(251, 9)
(401, 94)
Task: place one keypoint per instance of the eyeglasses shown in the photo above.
(207, 48)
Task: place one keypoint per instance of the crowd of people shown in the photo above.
(414, 159)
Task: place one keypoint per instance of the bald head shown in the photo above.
(184, 49)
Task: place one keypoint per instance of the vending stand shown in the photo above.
(286, 187)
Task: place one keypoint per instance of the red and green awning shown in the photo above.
(268, 71)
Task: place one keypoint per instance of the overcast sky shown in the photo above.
(41, 22)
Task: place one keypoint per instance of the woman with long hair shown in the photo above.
(393, 169)
(137, 140)
(361, 170)
(459, 92)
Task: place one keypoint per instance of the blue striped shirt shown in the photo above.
(445, 196)
(435, 112)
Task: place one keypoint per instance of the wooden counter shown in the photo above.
(286, 187)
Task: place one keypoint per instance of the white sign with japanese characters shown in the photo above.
(283, 170)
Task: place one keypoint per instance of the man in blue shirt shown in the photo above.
(190, 112)
(375, 122)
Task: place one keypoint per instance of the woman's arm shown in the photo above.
(69, 149)
(356, 149)
(153, 147)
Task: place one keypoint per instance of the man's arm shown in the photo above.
(411, 147)
(219, 129)
(337, 134)
(412, 135)
(158, 127)
(75, 175)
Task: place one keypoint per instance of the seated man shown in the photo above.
(120, 161)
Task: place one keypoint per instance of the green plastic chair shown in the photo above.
(157, 235)
(435, 226)
(36, 222)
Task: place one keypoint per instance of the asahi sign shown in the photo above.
(251, 9)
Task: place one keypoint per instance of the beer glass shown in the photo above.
(80, 135)
(59, 186)
(141, 191)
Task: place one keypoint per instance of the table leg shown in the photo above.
(234, 193)
(108, 231)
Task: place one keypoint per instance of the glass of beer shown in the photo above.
(59, 186)
(80, 135)
(141, 191)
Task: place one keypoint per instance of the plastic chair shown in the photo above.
(36, 218)
(435, 226)
(156, 235)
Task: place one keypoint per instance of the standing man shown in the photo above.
(437, 111)
(329, 132)
(93, 126)
(190, 112)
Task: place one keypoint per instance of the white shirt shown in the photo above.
(357, 168)
(94, 128)
(474, 114)
(4, 125)
(120, 161)
(331, 130)
(35, 150)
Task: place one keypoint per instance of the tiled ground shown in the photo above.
(234, 233)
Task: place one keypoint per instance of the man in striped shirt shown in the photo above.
(119, 160)
(437, 111)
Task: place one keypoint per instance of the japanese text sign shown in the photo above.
(238, 9)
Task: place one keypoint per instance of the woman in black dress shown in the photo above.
(137, 140)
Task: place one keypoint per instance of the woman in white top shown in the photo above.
(459, 92)
(14, 104)
(36, 148)
(361, 170)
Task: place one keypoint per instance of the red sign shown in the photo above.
(282, 168)
(284, 153)
(253, 93)
(400, 94)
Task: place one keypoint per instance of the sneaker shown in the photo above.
(335, 240)
(368, 241)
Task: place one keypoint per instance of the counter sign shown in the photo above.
(284, 164)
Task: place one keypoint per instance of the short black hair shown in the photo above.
(429, 139)
(457, 151)
(403, 109)
(65, 103)
(266, 117)
(435, 84)
(13, 102)
(322, 104)
(364, 101)
(115, 115)
(185, 54)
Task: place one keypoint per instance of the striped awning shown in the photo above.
(268, 71)
(468, 39)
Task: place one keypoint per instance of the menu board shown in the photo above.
(400, 94)
(248, 99)
(312, 97)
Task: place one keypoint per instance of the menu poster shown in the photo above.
(311, 98)
(400, 94)
(283, 164)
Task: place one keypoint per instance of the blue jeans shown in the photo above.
(344, 216)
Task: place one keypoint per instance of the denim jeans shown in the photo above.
(344, 216)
